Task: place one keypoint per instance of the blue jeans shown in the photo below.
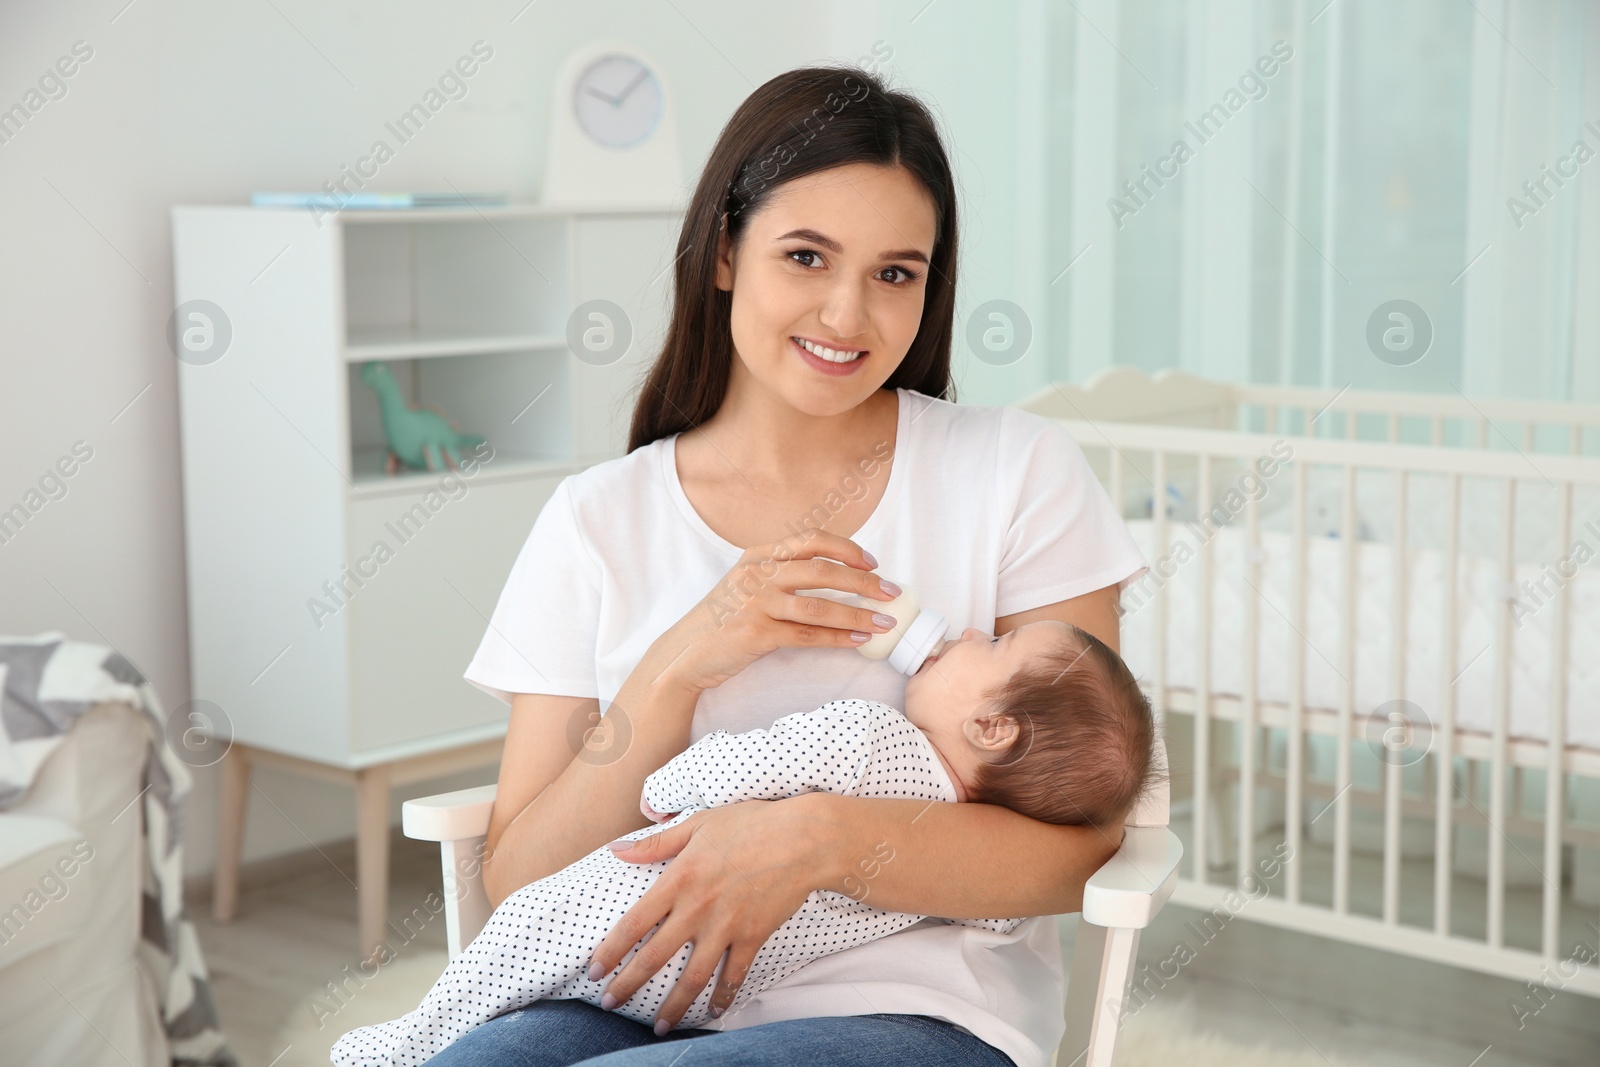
(559, 1033)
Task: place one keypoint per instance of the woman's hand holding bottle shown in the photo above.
(755, 608)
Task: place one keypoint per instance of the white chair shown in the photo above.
(1119, 900)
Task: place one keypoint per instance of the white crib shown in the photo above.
(1308, 656)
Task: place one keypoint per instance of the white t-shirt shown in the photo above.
(989, 511)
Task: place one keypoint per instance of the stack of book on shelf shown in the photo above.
(377, 201)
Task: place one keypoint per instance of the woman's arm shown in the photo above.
(1095, 612)
(946, 856)
(564, 791)
(763, 858)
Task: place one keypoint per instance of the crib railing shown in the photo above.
(1514, 424)
(1176, 398)
(1205, 459)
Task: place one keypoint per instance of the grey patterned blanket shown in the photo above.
(49, 683)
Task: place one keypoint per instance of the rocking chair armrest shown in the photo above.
(1130, 889)
(459, 821)
(1119, 901)
(449, 816)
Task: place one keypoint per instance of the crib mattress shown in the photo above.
(1479, 596)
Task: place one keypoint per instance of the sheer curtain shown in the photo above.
(1364, 193)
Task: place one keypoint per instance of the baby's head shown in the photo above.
(1047, 721)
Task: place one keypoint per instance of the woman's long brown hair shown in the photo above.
(801, 121)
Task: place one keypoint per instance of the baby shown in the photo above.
(1046, 720)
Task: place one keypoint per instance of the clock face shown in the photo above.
(618, 101)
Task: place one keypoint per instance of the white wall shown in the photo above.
(189, 102)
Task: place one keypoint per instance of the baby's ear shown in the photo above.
(992, 731)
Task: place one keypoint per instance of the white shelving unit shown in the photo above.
(326, 654)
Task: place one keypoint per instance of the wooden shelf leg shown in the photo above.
(372, 856)
(232, 802)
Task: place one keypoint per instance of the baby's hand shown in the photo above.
(652, 814)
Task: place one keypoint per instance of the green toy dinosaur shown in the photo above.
(416, 438)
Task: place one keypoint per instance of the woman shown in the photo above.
(795, 417)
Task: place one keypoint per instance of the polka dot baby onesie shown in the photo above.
(538, 942)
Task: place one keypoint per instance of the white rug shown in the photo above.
(324, 1016)
(1164, 1034)
(1160, 1035)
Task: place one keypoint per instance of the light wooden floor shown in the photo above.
(296, 932)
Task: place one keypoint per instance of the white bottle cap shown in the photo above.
(921, 638)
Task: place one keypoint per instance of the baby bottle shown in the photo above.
(919, 632)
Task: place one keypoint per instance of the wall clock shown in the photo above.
(613, 134)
